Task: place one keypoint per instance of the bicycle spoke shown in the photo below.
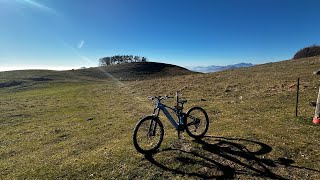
(196, 122)
(148, 134)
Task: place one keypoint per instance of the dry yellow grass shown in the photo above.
(81, 127)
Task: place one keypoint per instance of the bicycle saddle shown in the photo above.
(183, 101)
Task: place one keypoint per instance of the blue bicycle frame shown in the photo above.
(163, 108)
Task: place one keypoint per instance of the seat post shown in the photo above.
(177, 98)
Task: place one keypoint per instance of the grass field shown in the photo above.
(78, 124)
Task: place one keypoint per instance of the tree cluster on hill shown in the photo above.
(309, 51)
(120, 59)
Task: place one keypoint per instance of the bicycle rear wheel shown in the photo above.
(148, 135)
(196, 122)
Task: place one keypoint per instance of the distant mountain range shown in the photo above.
(214, 68)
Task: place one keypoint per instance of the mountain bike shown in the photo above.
(148, 132)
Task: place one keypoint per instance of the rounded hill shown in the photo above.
(134, 71)
(126, 71)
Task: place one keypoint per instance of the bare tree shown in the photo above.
(119, 59)
(144, 59)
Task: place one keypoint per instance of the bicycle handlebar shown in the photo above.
(159, 98)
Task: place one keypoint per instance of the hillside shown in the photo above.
(136, 71)
(82, 128)
(122, 72)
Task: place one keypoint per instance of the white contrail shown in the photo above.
(40, 6)
(81, 43)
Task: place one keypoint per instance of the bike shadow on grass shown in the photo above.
(220, 157)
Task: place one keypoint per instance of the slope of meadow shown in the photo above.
(124, 72)
(79, 125)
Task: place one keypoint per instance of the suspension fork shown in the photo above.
(155, 111)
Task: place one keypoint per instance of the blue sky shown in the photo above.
(63, 34)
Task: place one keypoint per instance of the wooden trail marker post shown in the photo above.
(297, 99)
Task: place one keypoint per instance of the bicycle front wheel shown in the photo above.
(196, 122)
(148, 135)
